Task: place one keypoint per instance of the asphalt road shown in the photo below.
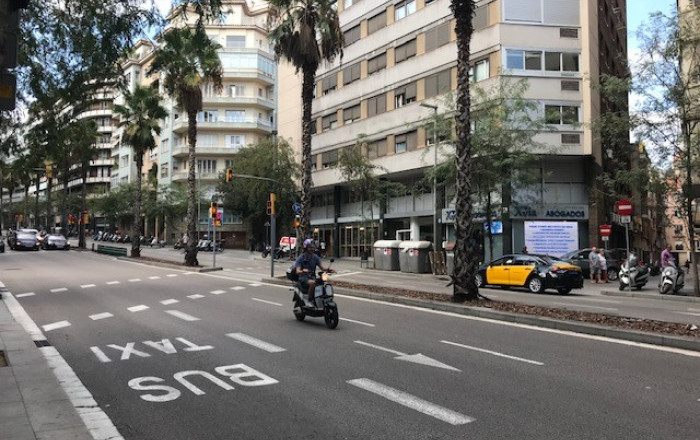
(170, 354)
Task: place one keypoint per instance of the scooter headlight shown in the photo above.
(324, 277)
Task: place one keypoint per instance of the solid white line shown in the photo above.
(495, 353)
(135, 280)
(378, 347)
(344, 274)
(266, 346)
(101, 316)
(586, 306)
(693, 310)
(154, 278)
(181, 315)
(167, 302)
(357, 322)
(195, 296)
(137, 308)
(413, 402)
(55, 325)
(109, 283)
(217, 292)
(238, 288)
(87, 286)
(689, 313)
(22, 295)
(266, 302)
(60, 289)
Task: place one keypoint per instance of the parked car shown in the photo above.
(55, 241)
(535, 272)
(613, 258)
(25, 240)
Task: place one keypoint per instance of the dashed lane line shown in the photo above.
(412, 402)
(267, 302)
(87, 286)
(495, 353)
(167, 302)
(238, 288)
(170, 275)
(154, 278)
(109, 283)
(138, 308)
(195, 296)
(55, 325)
(255, 284)
(22, 295)
(135, 280)
(59, 289)
(265, 346)
(357, 322)
(217, 292)
(181, 315)
(101, 316)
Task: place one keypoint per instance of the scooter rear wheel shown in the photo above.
(299, 313)
(330, 315)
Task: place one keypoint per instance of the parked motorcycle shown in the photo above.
(633, 274)
(279, 252)
(324, 304)
(672, 279)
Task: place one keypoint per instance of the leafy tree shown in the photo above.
(188, 60)
(269, 158)
(82, 134)
(306, 33)
(668, 112)
(141, 115)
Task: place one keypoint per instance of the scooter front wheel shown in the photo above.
(664, 289)
(330, 315)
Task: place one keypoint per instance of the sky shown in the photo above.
(638, 12)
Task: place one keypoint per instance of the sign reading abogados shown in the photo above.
(539, 212)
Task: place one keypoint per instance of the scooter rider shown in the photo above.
(305, 267)
(667, 257)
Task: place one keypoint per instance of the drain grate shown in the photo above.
(42, 343)
(3, 360)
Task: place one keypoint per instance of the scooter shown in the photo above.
(672, 279)
(632, 274)
(324, 305)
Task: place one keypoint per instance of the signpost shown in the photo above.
(624, 209)
(605, 231)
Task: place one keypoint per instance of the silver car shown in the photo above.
(55, 241)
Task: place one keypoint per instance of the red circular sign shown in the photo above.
(624, 207)
(605, 230)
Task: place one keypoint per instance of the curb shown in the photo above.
(693, 299)
(537, 321)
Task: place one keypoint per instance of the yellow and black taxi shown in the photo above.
(535, 272)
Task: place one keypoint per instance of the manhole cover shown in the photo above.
(3, 361)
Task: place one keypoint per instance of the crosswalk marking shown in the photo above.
(265, 346)
(55, 325)
(22, 295)
(60, 289)
(181, 315)
(101, 316)
(195, 296)
(413, 402)
(167, 302)
(137, 308)
(87, 286)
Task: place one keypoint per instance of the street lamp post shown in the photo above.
(436, 238)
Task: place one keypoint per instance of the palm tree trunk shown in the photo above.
(307, 94)
(136, 238)
(83, 206)
(464, 285)
(26, 202)
(191, 253)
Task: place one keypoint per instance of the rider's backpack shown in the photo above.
(292, 273)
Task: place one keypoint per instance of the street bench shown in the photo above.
(111, 250)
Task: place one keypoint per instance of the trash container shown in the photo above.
(414, 256)
(450, 257)
(386, 254)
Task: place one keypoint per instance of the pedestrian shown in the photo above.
(603, 262)
(524, 250)
(251, 244)
(594, 264)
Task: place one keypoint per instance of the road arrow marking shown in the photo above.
(495, 353)
(415, 358)
(413, 402)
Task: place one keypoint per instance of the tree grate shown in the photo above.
(42, 343)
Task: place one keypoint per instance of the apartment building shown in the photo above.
(401, 54)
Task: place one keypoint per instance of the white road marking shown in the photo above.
(357, 322)
(189, 273)
(195, 296)
(255, 284)
(266, 346)
(88, 286)
(379, 347)
(689, 313)
(135, 280)
(137, 308)
(22, 295)
(586, 306)
(101, 316)
(154, 278)
(101, 356)
(344, 274)
(693, 310)
(413, 402)
(181, 315)
(217, 292)
(238, 288)
(167, 302)
(417, 358)
(55, 325)
(266, 302)
(60, 289)
(495, 353)
(170, 275)
(109, 283)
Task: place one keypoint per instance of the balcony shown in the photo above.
(243, 101)
(181, 176)
(104, 112)
(245, 124)
(204, 150)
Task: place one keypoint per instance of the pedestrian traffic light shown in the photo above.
(269, 207)
(229, 174)
(212, 210)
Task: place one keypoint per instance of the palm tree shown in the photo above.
(297, 25)
(140, 117)
(464, 284)
(188, 61)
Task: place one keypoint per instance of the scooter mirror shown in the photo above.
(332, 260)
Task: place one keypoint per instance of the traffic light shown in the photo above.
(269, 207)
(229, 174)
(49, 170)
(297, 221)
(212, 210)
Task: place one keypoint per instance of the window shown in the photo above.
(376, 105)
(329, 159)
(164, 170)
(207, 140)
(405, 51)
(404, 8)
(235, 141)
(533, 60)
(124, 161)
(437, 84)
(329, 83)
(235, 41)
(480, 71)
(207, 116)
(105, 139)
(329, 122)
(236, 90)
(206, 166)
(405, 142)
(561, 114)
(352, 35)
(376, 64)
(314, 126)
(377, 149)
(351, 114)
(561, 62)
(377, 22)
(404, 95)
(351, 74)
(481, 17)
(521, 59)
(235, 115)
(437, 37)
